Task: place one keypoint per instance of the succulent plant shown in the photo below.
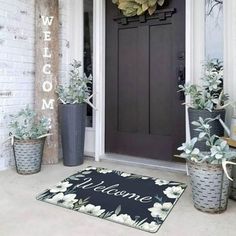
(219, 149)
(77, 91)
(27, 125)
(210, 95)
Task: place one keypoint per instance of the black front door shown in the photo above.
(144, 62)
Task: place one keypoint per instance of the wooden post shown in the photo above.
(46, 74)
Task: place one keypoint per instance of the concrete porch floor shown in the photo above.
(22, 215)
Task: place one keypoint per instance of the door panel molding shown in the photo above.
(160, 15)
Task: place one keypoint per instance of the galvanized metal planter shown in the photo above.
(216, 129)
(210, 186)
(233, 185)
(28, 155)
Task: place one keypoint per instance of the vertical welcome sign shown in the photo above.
(46, 72)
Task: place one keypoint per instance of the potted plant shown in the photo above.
(72, 112)
(28, 133)
(208, 100)
(209, 172)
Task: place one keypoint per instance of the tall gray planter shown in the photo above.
(210, 186)
(72, 117)
(216, 129)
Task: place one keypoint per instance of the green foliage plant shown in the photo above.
(210, 96)
(77, 91)
(219, 149)
(26, 125)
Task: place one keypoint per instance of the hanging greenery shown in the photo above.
(138, 7)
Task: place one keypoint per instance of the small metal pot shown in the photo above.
(28, 155)
(210, 186)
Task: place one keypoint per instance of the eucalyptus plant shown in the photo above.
(210, 95)
(138, 7)
(77, 91)
(26, 125)
(219, 149)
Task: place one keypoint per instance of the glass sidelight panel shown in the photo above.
(214, 29)
(88, 50)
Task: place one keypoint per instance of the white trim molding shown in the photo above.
(194, 45)
(99, 75)
(230, 51)
(76, 30)
(144, 162)
(198, 40)
(189, 36)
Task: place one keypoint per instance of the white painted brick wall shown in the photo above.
(17, 61)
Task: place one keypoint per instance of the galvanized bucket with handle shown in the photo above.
(28, 155)
(210, 186)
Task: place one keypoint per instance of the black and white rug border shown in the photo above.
(69, 201)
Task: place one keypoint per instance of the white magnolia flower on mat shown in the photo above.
(151, 227)
(122, 218)
(161, 182)
(145, 177)
(60, 187)
(160, 210)
(173, 192)
(92, 210)
(67, 200)
(105, 171)
(125, 174)
(91, 168)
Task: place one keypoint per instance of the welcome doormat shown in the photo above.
(138, 201)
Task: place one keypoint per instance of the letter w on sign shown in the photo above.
(47, 20)
(47, 31)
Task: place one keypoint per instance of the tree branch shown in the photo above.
(214, 4)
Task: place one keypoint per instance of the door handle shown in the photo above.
(181, 81)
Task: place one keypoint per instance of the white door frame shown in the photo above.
(229, 53)
(194, 51)
(99, 11)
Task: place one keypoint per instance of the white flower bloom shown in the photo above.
(161, 182)
(151, 227)
(122, 218)
(104, 171)
(91, 168)
(125, 174)
(67, 200)
(160, 210)
(92, 210)
(60, 187)
(145, 177)
(173, 192)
